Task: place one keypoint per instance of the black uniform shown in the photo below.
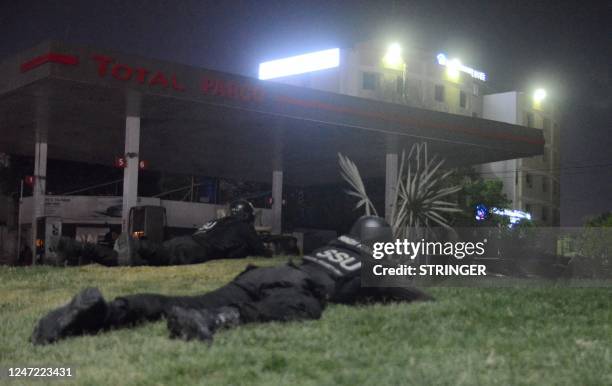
(283, 293)
(227, 238)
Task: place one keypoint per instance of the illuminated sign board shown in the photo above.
(514, 215)
(300, 64)
(444, 61)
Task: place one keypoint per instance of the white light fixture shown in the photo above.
(393, 57)
(452, 69)
(539, 95)
(300, 64)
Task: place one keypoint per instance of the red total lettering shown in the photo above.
(258, 94)
(122, 72)
(176, 85)
(231, 89)
(207, 85)
(245, 93)
(160, 79)
(220, 87)
(141, 75)
(103, 62)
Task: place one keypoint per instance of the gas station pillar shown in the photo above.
(391, 169)
(132, 147)
(277, 182)
(40, 171)
(277, 201)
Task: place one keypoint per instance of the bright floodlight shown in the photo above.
(394, 49)
(539, 95)
(452, 69)
(393, 57)
(300, 64)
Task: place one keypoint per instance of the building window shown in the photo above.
(545, 155)
(528, 180)
(370, 81)
(439, 93)
(462, 99)
(529, 120)
(528, 208)
(544, 213)
(399, 84)
(544, 184)
(475, 89)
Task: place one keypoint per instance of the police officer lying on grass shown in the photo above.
(283, 293)
(231, 237)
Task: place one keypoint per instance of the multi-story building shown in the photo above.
(532, 184)
(374, 71)
(433, 81)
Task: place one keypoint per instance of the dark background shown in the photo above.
(563, 46)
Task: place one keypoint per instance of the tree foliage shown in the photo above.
(603, 220)
(477, 190)
(421, 194)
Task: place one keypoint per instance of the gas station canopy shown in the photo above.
(216, 124)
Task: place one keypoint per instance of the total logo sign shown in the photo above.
(108, 67)
(124, 72)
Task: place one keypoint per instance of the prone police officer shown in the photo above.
(282, 293)
(231, 237)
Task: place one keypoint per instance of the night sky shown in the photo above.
(563, 46)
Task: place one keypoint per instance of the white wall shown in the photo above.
(501, 107)
(93, 210)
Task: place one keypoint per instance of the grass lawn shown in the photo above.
(468, 336)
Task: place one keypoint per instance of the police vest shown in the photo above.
(342, 257)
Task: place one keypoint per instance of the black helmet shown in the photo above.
(371, 229)
(242, 209)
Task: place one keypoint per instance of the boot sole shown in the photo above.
(75, 318)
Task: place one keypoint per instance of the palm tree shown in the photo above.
(420, 195)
